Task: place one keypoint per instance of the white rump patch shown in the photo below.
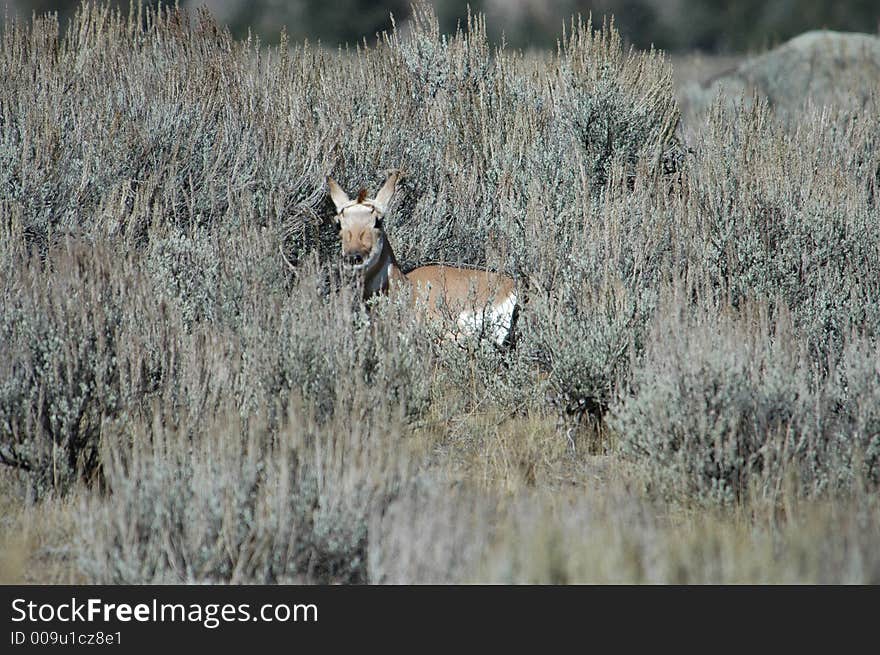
(495, 321)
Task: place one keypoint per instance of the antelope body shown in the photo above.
(479, 301)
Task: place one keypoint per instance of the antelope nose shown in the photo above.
(354, 259)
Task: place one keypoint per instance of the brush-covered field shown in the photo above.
(191, 392)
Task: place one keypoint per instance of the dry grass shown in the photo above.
(37, 539)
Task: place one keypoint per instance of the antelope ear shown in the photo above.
(340, 198)
(384, 196)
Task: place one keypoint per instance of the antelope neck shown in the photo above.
(380, 268)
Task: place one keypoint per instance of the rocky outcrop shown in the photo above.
(822, 67)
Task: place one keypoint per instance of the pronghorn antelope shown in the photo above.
(481, 302)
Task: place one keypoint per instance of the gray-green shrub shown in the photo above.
(225, 501)
(727, 406)
(155, 339)
(168, 141)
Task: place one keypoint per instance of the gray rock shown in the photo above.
(823, 67)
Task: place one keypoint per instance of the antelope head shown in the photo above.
(360, 224)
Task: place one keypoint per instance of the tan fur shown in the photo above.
(458, 288)
(476, 300)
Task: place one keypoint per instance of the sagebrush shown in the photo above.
(178, 334)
